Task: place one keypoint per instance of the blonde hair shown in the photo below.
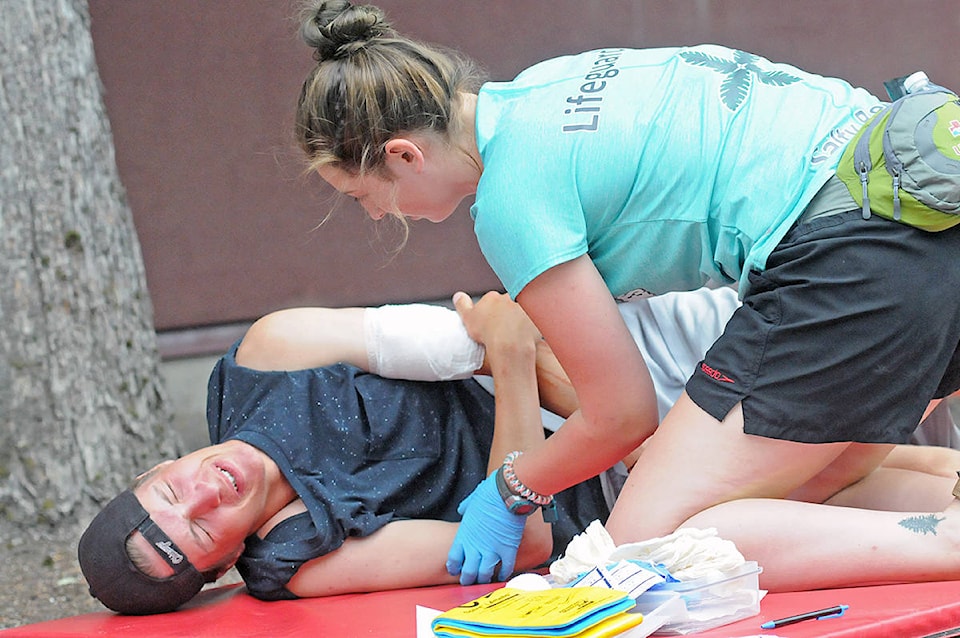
(370, 84)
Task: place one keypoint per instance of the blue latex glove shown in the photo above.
(489, 534)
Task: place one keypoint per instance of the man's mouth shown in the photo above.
(230, 477)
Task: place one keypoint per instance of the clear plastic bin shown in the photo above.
(713, 601)
(658, 610)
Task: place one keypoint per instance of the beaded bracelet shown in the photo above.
(519, 488)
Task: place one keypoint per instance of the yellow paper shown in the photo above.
(518, 609)
(612, 626)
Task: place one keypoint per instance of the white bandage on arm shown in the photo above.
(420, 342)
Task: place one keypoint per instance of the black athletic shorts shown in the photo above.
(851, 329)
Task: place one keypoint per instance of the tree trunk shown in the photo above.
(82, 407)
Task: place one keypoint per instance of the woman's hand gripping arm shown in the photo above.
(574, 311)
(512, 343)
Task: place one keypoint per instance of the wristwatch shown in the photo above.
(515, 503)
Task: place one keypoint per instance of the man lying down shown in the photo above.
(343, 441)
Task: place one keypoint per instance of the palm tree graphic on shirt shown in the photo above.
(740, 73)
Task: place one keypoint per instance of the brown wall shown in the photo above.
(200, 97)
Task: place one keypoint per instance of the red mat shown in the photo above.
(899, 611)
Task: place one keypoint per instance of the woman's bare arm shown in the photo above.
(573, 309)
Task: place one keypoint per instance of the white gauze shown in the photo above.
(420, 342)
(688, 553)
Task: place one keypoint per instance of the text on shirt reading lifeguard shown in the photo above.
(586, 112)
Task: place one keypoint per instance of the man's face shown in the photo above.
(208, 501)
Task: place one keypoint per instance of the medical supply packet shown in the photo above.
(567, 612)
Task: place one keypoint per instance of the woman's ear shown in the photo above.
(404, 155)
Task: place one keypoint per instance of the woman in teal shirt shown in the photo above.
(621, 173)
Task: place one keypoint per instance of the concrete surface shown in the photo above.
(186, 383)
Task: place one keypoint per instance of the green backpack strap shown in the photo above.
(862, 162)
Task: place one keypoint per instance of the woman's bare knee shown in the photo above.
(855, 463)
(693, 463)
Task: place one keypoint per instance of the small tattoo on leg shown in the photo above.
(923, 524)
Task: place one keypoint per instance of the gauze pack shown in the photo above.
(687, 553)
(420, 342)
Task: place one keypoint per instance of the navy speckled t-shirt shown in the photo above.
(360, 451)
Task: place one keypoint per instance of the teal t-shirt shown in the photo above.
(669, 167)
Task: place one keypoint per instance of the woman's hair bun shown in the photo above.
(337, 28)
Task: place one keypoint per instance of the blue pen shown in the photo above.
(820, 614)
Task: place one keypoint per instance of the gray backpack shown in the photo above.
(904, 164)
